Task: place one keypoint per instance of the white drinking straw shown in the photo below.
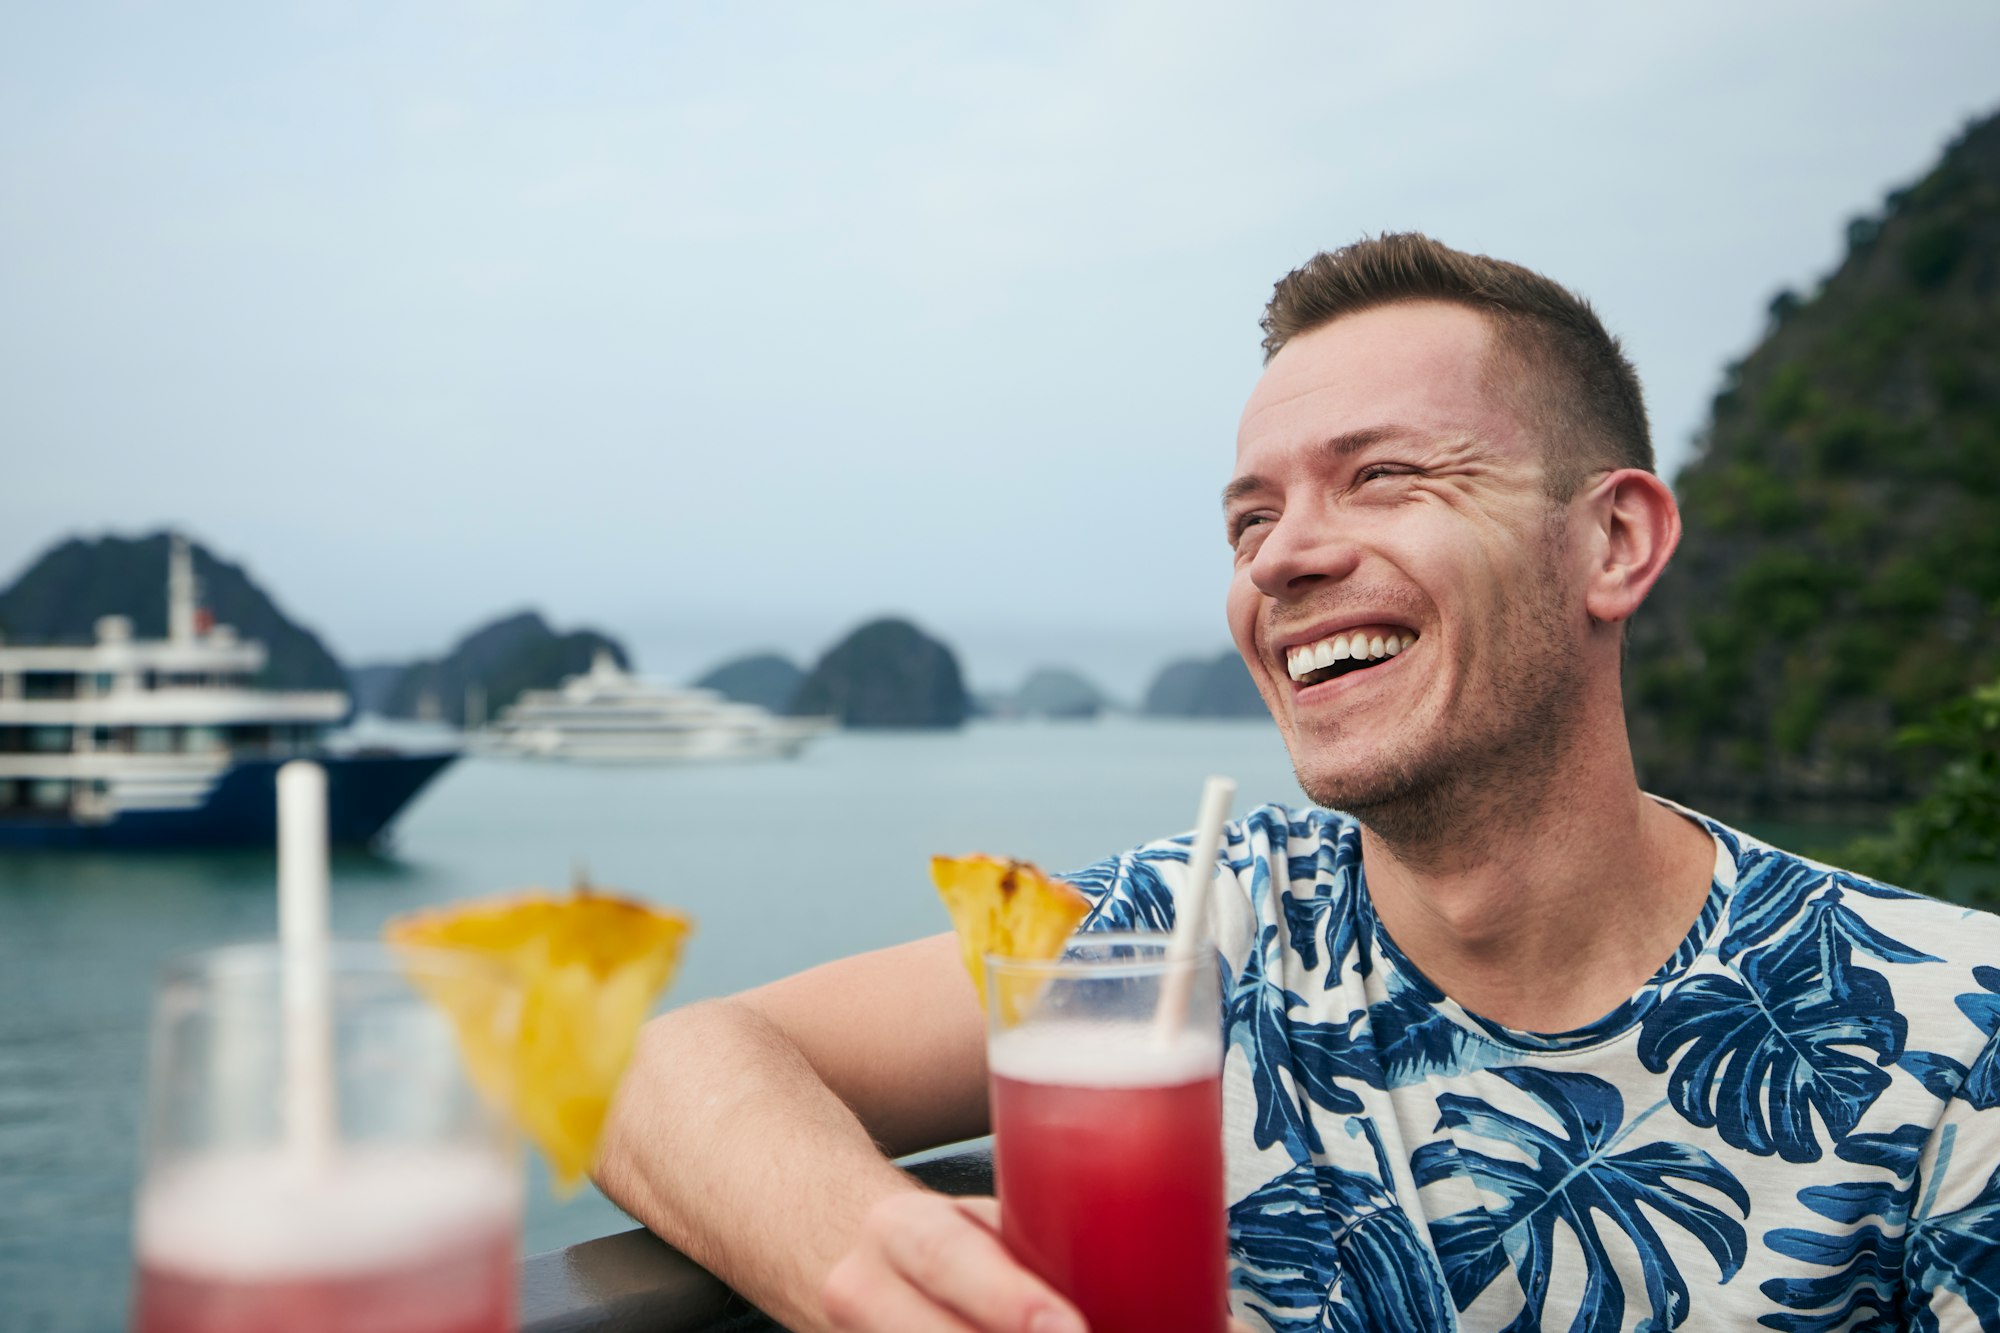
(1191, 912)
(307, 1000)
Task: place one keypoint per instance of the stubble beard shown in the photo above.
(1445, 793)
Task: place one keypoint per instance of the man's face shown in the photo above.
(1402, 591)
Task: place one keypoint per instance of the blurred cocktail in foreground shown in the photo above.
(1107, 1123)
(397, 1212)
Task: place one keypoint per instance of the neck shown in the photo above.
(1540, 904)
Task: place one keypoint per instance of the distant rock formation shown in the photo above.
(768, 680)
(1057, 692)
(888, 673)
(491, 666)
(59, 598)
(1204, 687)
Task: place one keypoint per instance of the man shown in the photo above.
(1564, 1056)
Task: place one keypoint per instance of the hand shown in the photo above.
(931, 1264)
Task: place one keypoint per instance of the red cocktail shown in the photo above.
(401, 1218)
(1108, 1135)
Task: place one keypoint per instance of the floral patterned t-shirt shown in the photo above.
(1795, 1124)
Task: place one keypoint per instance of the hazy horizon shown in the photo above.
(721, 331)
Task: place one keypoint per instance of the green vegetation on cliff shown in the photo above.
(1840, 574)
(1949, 841)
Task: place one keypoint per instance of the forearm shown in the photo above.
(726, 1143)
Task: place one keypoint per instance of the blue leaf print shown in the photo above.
(1864, 1261)
(1568, 1176)
(1979, 1083)
(1958, 1252)
(1324, 1248)
(1406, 1039)
(1764, 1052)
(1336, 911)
(1129, 895)
(1982, 1080)
(1887, 1262)
(1941, 1075)
(1772, 889)
(1257, 1018)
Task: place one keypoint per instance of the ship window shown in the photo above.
(48, 740)
(202, 739)
(48, 685)
(9, 793)
(48, 793)
(153, 740)
(104, 680)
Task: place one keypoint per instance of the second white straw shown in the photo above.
(305, 979)
(1191, 911)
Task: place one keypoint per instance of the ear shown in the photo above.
(1633, 526)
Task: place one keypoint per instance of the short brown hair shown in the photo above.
(1552, 358)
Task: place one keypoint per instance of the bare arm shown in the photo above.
(750, 1133)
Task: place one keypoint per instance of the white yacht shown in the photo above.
(130, 742)
(607, 715)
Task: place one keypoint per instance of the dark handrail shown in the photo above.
(634, 1281)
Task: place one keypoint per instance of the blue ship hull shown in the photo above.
(363, 793)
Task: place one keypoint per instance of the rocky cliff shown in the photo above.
(1840, 572)
(768, 680)
(492, 665)
(887, 673)
(59, 598)
(1217, 686)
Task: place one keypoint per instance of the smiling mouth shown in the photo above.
(1345, 653)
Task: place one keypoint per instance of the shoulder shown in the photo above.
(1266, 834)
(1771, 887)
(1929, 962)
(1135, 888)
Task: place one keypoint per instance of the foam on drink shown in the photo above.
(255, 1217)
(1102, 1055)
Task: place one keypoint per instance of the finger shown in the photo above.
(984, 1211)
(955, 1258)
(862, 1295)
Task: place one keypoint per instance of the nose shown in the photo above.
(1303, 549)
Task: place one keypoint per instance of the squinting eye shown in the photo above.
(1242, 524)
(1376, 471)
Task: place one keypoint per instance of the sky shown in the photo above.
(723, 328)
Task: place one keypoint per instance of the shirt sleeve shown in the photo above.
(1127, 893)
(1951, 1255)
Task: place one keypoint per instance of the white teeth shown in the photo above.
(1307, 658)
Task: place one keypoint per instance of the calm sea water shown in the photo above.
(784, 865)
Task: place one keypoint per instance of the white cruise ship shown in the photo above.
(607, 715)
(130, 742)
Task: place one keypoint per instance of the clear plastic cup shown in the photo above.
(404, 1218)
(1108, 1130)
